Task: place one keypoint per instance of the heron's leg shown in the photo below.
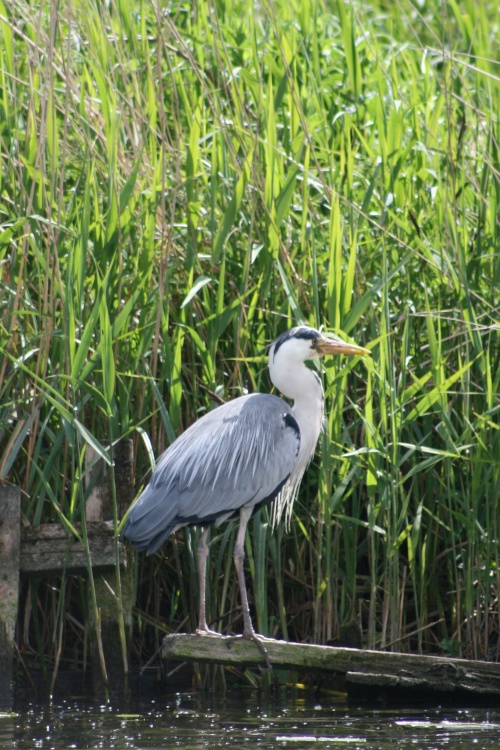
(239, 557)
(202, 554)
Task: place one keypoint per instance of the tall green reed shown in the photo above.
(180, 186)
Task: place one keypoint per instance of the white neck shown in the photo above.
(296, 381)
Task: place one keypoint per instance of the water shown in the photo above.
(241, 720)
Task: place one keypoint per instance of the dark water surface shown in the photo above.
(245, 720)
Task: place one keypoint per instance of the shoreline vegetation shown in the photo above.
(180, 182)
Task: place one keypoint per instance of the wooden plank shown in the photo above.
(48, 548)
(10, 516)
(378, 668)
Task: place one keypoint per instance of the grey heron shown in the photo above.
(239, 457)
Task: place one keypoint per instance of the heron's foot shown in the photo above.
(251, 635)
(205, 630)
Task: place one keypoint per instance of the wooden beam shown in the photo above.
(48, 549)
(375, 670)
(10, 517)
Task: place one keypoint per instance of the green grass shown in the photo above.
(180, 184)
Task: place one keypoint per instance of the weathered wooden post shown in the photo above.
(109, 651)
(10, 542)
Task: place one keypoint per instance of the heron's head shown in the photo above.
(289, 352)
(303, 343)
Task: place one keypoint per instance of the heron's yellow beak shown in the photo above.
(330, 346)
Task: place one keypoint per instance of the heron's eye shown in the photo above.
(314, 343)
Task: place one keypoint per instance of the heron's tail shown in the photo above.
(150, 521)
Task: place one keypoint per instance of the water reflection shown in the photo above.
(242, 720)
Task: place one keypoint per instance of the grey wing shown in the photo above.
(237, 455)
